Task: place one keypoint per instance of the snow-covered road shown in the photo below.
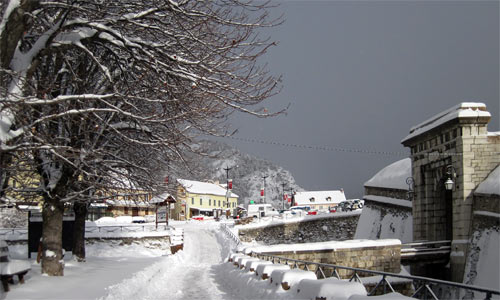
(190, 274)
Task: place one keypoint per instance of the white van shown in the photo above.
(261, 210)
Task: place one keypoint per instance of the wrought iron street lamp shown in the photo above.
(411, 188)
(448, 184)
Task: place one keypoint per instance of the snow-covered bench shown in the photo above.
(10, 268)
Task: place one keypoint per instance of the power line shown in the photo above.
(348, 150)
(321, 148)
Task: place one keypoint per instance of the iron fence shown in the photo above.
(424, 288)
(22, 234)
(233, 236)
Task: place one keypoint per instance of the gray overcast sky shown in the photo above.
(359, 74)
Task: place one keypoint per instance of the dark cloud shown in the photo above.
(359, 74)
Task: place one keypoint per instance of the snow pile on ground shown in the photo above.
(373, 224)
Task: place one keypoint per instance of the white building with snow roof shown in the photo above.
(197, 198)
(319, 200)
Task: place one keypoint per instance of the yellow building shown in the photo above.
(195, 198)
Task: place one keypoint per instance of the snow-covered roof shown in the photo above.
(491, 185)
(462, 110)
(320, 197)
(127, 203)
(393, 176)
(161, 198)
(198, 187)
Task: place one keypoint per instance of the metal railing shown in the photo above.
(233, 236)
(22, 234)
(423, 286)
(13, 231)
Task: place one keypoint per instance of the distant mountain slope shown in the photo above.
(246, 172)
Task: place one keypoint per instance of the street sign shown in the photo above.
(161, 214)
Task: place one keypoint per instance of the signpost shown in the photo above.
(161, 215)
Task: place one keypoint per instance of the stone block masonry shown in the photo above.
(331, 227)
(379, 255)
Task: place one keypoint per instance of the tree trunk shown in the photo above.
(81, 210)
(52, 259)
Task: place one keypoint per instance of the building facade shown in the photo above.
(453, 146)
(196, 198)
(319, 200)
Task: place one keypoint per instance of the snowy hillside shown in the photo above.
(246, 172)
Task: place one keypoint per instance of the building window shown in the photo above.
(192, 201)
(125, 210)
(201, 201)
(311, 199)
(209, 202)
(219, 203)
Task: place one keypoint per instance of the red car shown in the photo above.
(312, 212)
(198, 218)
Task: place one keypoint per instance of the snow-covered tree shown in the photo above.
(101, 95)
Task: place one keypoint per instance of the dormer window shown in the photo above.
(311, 199)
(328, 198)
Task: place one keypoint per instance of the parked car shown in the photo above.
(138, 219)
(261, 210)
(344, 206)
(333, 209)
(197, 218)
(312, 212)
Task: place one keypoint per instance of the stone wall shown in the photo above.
(438, 214)
(379, 256)
(385, 192)
(489, 203)
(331, 227)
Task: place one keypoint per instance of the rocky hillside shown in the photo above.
(246, 172)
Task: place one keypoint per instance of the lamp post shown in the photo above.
(264, 191)
(448, 184)
(283, 195)
(227, 185)
(411, 188)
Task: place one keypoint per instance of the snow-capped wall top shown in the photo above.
(462, 110)
(491, 185)
(331, 245)
(320, 197)
(198, 187)
(393, 176)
